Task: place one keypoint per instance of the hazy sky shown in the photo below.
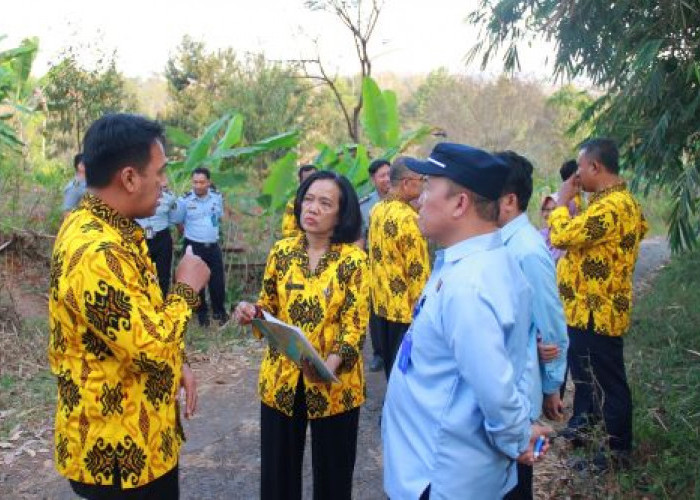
(413, 36)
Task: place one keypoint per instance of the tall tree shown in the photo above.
(77, 95)
(500, 114)
(645, 54)
(360, 18)
(271, 96)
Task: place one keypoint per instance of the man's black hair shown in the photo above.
(76, 160)
(519, 180)
(568, 168)
(306, 168)
(349, 217)
(116, 141)
(202, 170)
(376, 165)
(603, 151)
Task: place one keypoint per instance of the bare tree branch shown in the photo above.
(362, 26)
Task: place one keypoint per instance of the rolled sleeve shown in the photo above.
(548, 315)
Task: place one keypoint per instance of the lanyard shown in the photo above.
(407, 342)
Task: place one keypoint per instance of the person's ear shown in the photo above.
(463, 202)
(130, 179)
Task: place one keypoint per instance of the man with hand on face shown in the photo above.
(547, 324)
(199, 212)
(116, 344)
(398, 260)
(455, 420)
(595, 285)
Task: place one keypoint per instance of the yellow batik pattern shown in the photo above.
(602, 244)
(330, 305)
(290, 228)
(116, 348)
(399, 262)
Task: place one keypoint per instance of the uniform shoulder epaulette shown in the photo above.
(365, 199)
(187, 194)
(213, 189)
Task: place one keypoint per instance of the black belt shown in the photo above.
(156, 234)
(204, 245)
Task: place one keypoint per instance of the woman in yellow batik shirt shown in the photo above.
(318, 282)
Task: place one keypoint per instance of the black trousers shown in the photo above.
(166, 487)
(374, 335)
(522, 490)
(598, 370)
(211, 254)
(333, 450)
(160, 248)
(390, 336)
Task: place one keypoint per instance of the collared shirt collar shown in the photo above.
(126, 227)
(621, 186)
(203, 197)
(514, 226)
(472, 245)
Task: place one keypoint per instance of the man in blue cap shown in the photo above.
(455, 420)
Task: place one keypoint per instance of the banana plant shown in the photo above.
(15, 66)
(217, 155)
(380, 121)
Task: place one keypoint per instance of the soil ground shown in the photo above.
(221, 457)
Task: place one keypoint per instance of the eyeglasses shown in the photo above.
(413, 178)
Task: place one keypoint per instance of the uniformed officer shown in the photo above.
(75, 189)
(200, 211)
(158, 238)
(379, 174)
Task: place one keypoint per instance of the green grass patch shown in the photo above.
(663, 362)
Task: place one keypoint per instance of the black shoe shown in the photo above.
(221, 319)
(377, 363)
(578, 431)
(602, 462)
(203, 322)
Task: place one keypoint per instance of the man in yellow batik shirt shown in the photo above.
(595, 286)
(399, 263)
(290, 228)
(116, 344)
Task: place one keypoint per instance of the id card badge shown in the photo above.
(405, 352)
(149, 233)
(214, 220)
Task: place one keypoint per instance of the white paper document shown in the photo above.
(291, 341)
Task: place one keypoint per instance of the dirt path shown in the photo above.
(221, 457)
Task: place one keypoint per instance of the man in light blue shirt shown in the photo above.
(200, 212)
(76, 188)
(455, 419)
(156, 229)
(547, 324)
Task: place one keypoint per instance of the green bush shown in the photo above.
(663, 351)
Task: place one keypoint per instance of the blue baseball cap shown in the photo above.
(473, 168)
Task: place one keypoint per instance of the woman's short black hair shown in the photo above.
(349, 217)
